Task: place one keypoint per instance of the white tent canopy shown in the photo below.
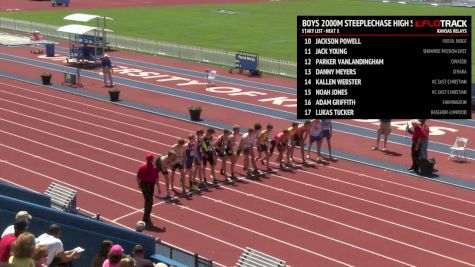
(83, 17)
(76, 29)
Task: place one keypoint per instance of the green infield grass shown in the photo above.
(267, 28)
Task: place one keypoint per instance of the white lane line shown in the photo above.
(187, 130)
(174, 223)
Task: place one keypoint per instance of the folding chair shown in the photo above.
(36, 40)
(210, 78)
(458, 149)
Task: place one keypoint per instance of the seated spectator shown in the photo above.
(115, 255)
(139, 253)
(101, 256)
(23, 251)
(41, 255)
(19, 216)
(7, 241)
(55, 247)
(127, 262)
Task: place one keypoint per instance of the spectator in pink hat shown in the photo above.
(115, 255)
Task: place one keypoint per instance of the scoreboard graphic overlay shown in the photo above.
(400, 67)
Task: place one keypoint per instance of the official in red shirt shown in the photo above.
(147, 177)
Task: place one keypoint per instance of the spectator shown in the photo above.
(107, 70)
(23, 251)
(21, 215)
(138, 254)
(41, 255)
(115, 255)
(20, 227)
(147, 177)
(127, 262)
(383, 129)
(55, 247)
(101, 255)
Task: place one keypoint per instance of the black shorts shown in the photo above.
(208, 156)
(228, 152)
(177, 165)
(281, 146)
(262, 147)
(296, 138)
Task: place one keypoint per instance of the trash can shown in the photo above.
(49, 49)
(427, 166)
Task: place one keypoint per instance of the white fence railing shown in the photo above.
(206, 55)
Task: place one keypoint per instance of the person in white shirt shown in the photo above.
(55, 246)
(21, 215)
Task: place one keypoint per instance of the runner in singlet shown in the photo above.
(293, 141)
(257, 131)
(315, 137)
(246, 146)
(199, 158)
(263, 145)
(179, 163)
(327, 131)
(162, 163)
(300, 137)
(208, 153)
(191, 148)
(280, 141)
(233, 142)
(220, 146)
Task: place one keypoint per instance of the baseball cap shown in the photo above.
(116, 250)
(23, 215)
(149, 156)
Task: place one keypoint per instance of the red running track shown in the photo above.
(343, 214)
(342, 141)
